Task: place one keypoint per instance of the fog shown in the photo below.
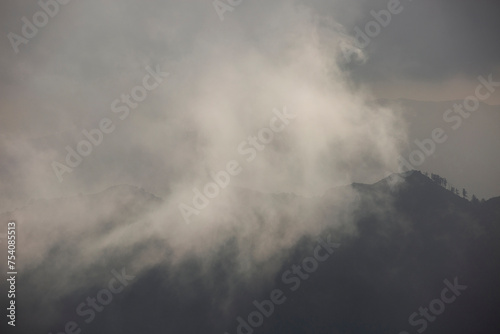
(227, 80)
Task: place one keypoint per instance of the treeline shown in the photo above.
(444, 183)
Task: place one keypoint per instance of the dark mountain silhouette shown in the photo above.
(401, 239)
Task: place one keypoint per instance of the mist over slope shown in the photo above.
(396, 243)
(218, 166)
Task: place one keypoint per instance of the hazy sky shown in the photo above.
(431, 50)
(207, 88)
(225, 78)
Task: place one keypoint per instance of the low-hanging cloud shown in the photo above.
(226, 80)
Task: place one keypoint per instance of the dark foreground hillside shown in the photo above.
(410, 257)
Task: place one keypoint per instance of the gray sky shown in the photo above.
(225, 78)
(227, 81)
(436, 47)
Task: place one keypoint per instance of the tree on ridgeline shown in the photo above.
(439, 180)
(474, 200)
